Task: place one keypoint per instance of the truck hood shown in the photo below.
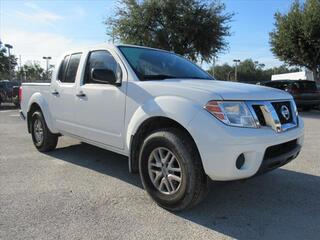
(232, 90)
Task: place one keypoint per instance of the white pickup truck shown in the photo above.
(177, 125)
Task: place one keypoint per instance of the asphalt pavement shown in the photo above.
(82, 192)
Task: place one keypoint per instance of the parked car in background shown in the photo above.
(9, 92)
(175, 123)
(305, 93)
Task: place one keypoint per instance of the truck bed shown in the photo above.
(29, 89)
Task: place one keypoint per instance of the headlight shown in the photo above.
(231, 113)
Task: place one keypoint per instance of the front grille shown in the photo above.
(279, 155)
(277, 106)
(280, 116)
(258, 111)
(277, 150)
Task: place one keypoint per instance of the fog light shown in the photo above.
(240, 161)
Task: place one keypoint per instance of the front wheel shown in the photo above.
(43, 139)
(171, 170)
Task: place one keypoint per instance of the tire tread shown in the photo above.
(184, 142)
(50, 140)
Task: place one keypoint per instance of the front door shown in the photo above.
(100, 104)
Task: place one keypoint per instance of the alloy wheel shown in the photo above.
(164, 170)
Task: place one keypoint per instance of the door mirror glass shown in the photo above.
(103, 76)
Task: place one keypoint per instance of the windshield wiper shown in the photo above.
(157, 77)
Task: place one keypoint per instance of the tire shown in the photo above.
(46, 141)
(193, 184)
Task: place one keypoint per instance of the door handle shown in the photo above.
(81, 94)
(55, 92)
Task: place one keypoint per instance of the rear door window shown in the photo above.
(63, 67)
(71, 72)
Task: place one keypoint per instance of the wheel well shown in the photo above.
(34, 107)
(144, 130)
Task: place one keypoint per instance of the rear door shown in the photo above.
(63, 93)
(100, 106)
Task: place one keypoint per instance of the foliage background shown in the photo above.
(296, 37)
(192, 28)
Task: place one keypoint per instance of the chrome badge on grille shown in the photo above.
(285, 112)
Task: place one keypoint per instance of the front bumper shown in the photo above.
(220, 145)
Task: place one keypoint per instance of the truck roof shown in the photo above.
(109, 45)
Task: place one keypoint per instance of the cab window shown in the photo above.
(62, 69)
(71, 72)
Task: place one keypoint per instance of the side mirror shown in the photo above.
(105, 76)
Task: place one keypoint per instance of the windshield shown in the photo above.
(151, 64)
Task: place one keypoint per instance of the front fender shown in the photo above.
(39, 99)
(180, 109)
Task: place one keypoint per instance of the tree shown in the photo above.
(223, 72)
(193, 28)
(249, 71)
(32, 72)
(296, 37)
(6, 63)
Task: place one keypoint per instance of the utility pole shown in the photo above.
(236, 61)
(213, 65)
(20, 62)
(8, 46)
(47, 60)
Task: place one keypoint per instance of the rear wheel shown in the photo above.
(171, 170)
(42, 138)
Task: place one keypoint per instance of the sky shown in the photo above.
(50, 27)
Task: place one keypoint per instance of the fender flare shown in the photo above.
(38, 98)
(179, 109)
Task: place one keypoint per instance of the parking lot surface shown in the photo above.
(82, 192)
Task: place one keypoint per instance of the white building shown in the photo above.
(304, 75)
